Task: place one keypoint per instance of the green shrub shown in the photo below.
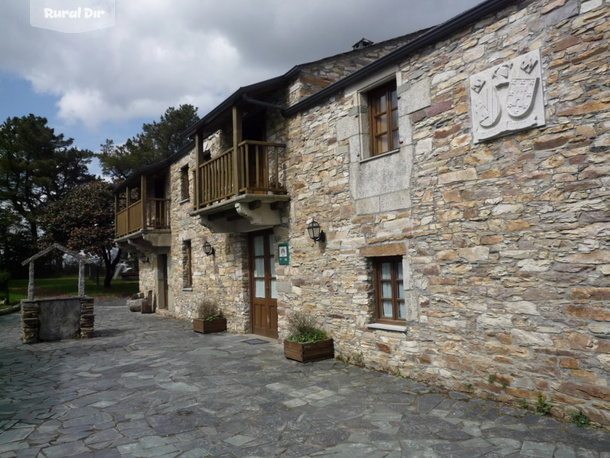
(523, 403)
(580, 419)
(302, 328)
(542, 406)
(5, 276)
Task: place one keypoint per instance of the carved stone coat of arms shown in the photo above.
(507, 98)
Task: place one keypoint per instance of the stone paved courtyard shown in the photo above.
(149, 386)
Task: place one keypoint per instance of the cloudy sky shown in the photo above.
(160, 53)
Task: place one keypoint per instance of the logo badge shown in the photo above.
(72, 16)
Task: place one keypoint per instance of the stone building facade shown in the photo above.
(490, 212)
(224, 277)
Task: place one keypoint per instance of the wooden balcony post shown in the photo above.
(143, 200)
(196, 188)
(31, 287)
(127, 204)
(81, 278)
(276, 158)
(116, 215)
(197, 182)
(237, 137)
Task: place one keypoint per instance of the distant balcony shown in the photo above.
(243, 182)
(141, 221)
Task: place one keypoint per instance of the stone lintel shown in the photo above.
(388, 249)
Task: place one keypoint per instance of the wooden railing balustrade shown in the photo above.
(258, 171)
(134, 218)
(157, 213)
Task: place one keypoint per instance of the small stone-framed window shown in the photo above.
(184, 183)
(383, 118)
(187, 265)
(388, 282)
(204, 156)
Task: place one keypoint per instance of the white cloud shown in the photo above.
(161, 53)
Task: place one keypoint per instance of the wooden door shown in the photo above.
(162, 285)
(256, 155)
(263, 291)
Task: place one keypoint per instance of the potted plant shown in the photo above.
(306, 342)
(210, 319)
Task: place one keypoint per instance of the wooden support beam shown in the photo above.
(127, 204)
(143, 199)
(197, 181)
(31, 282)
(116, 214)
(237, 138)
(81, 278)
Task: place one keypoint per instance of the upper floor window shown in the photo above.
(204, 156)
(383, 118)
(389, 290)
(187, 264)
(184, 183)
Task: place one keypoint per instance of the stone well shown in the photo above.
(56, 318)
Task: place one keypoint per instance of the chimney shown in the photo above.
(363, 43)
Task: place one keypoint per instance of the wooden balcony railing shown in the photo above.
(256, 169)
(136, 217)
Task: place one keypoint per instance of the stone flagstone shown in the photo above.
(159, 389)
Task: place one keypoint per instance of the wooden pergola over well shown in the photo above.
(82, 260)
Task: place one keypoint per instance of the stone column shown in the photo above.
(29, 321)
(87, 317)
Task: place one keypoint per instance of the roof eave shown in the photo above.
(234, 98)
(155, 167)
(432, 36)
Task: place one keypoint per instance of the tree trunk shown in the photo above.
(34, 234)
(108, 278)
(110, 265)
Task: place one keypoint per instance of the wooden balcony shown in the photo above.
(144, 221)
(237, 183)
(255, 170)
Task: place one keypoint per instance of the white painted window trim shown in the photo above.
(387, 327)
(387, 153)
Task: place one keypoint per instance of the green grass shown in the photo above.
(68, 286)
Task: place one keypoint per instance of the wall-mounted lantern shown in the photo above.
(208, 249)
(315, 232)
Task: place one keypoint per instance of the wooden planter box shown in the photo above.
(309, 351)
(206, 327)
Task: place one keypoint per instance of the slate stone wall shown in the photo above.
(506, 240)
(223, 278)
